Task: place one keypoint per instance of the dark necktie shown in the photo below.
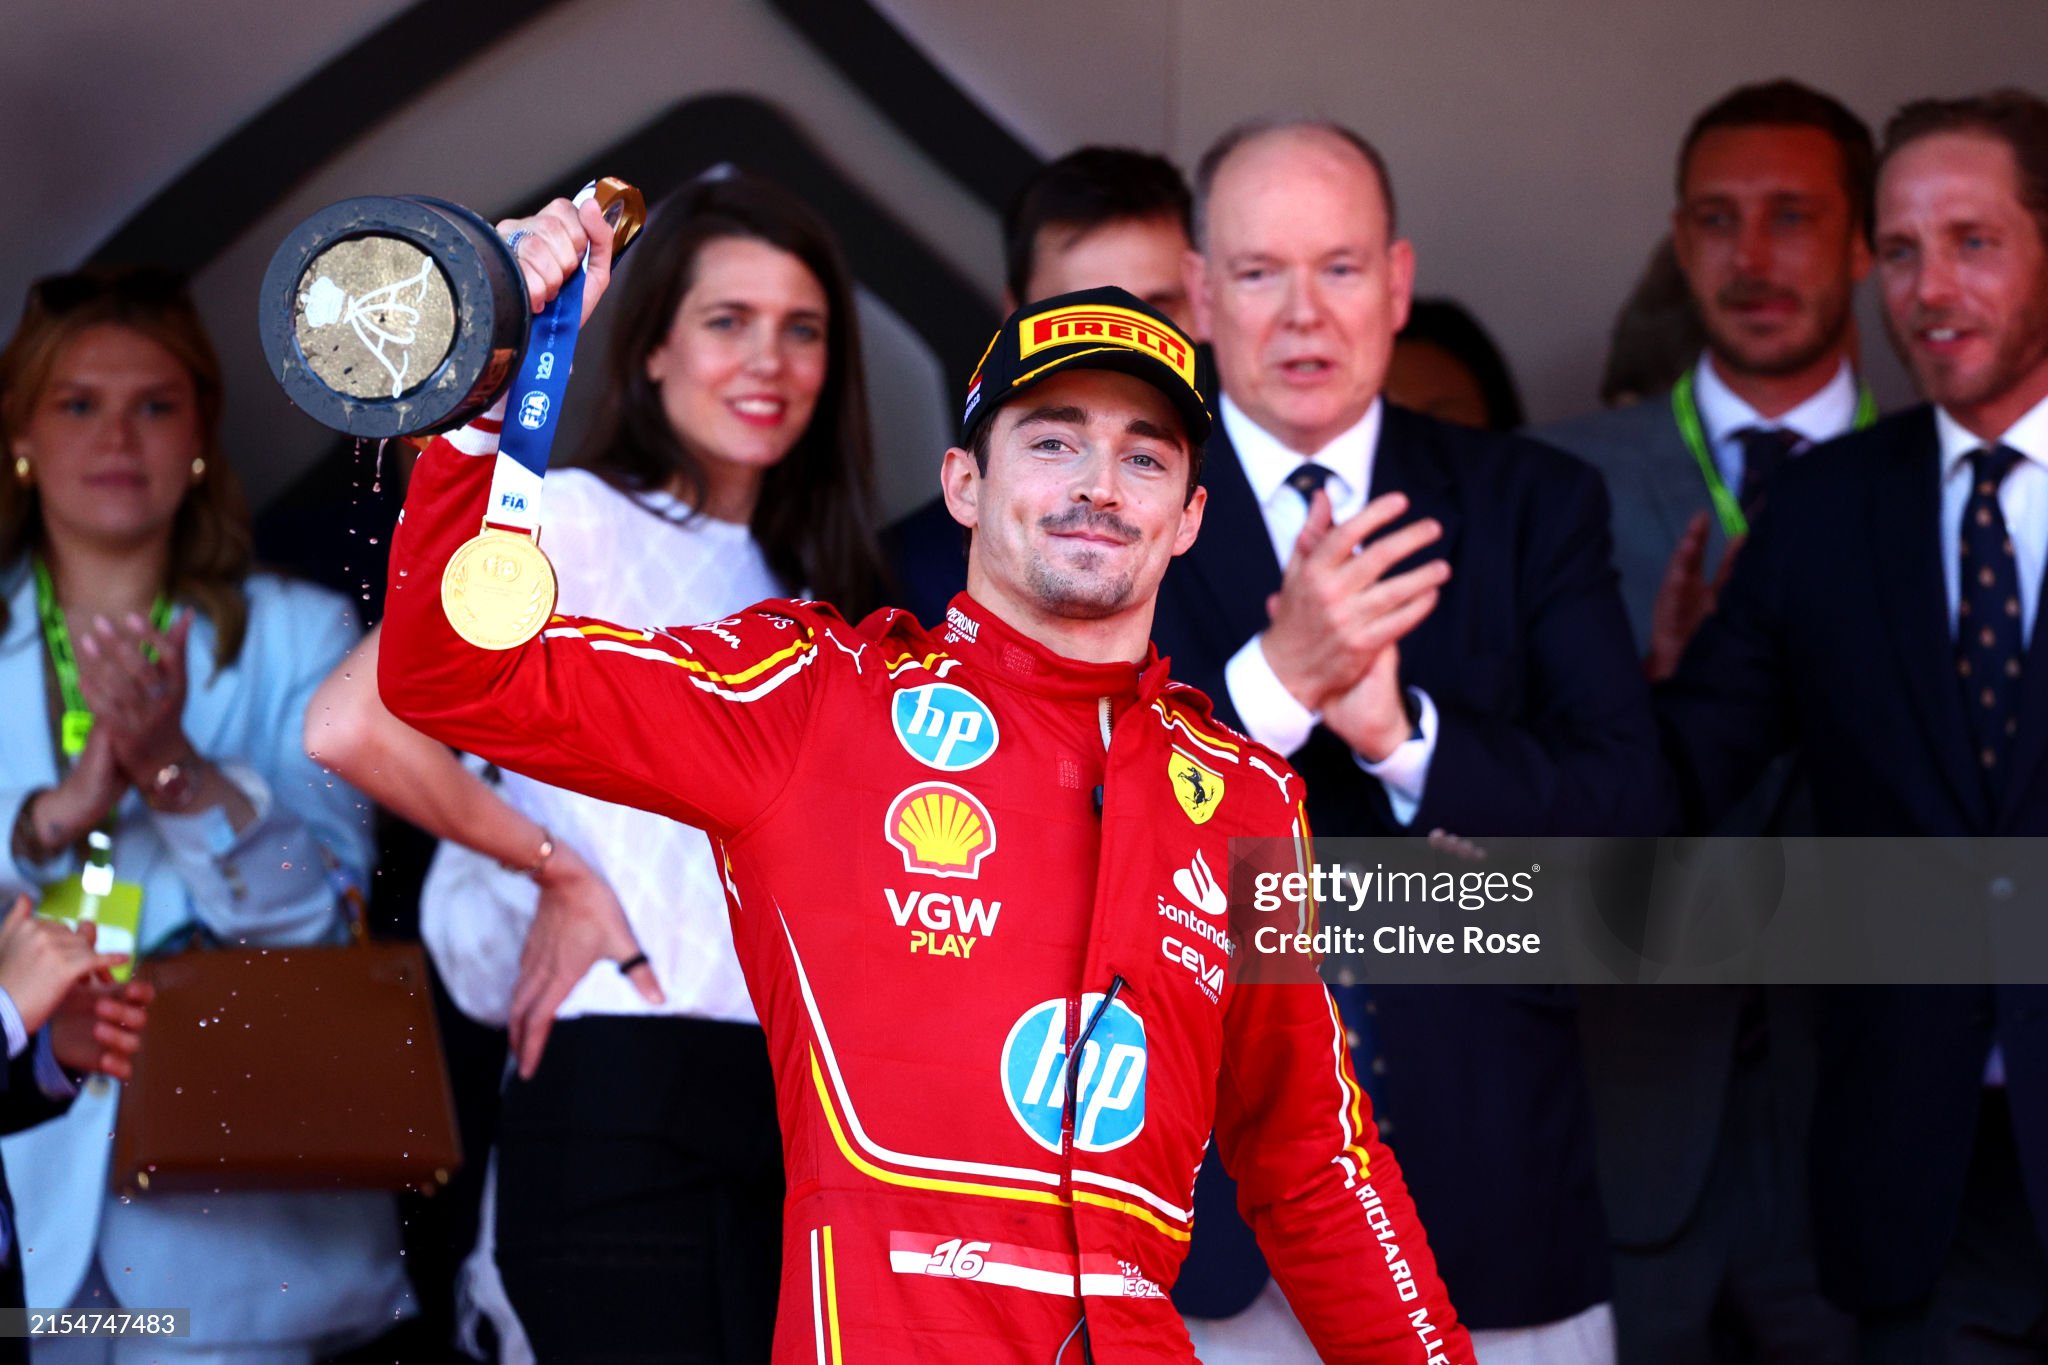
(1355, 1002)
(1988, 648)
(1307, 477)
(1764, 449)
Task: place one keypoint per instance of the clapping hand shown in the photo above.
(1686, 597)
(1338, 607)
(133, 678)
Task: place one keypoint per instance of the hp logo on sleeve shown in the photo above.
(1109, 1095)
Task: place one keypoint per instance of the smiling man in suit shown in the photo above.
(1883, 621)
(1771, 231)
(1700, 1093)
(1470, 669)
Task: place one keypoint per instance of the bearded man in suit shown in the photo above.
(1701, 1093)
(1882, 622)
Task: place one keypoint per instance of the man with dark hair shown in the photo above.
(1097, 216)
(1482, 682)
(1771, 230)
(1700, 1092)
(1883, 624)
(990, 1121)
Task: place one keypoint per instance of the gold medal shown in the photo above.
(499, 589)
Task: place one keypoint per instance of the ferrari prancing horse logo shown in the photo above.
(1199, 789)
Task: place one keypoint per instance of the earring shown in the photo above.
(198, 468)
(21, 468)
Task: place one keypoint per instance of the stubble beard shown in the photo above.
(1778, 358)
(2021, 350)
(1079, 593)
(1083, 590)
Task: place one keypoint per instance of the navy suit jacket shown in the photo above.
(1544, 726)
(1832, 638)
(928, 552)
(22, 1105)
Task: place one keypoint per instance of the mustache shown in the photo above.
(1745, 293)
(1079, 518)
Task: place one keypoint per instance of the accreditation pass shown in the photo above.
(95, 1322)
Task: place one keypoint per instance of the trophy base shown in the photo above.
(393, 316)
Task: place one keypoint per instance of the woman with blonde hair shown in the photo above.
(150, 772)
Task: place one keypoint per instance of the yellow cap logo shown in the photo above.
(1199, 789)
(941, 830)
(1107, 325)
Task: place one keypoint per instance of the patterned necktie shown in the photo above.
(1307, 477)
(1988, 646)
(1764, 449)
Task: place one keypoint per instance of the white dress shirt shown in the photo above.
(1827, 414)
(1270, 713)
(2022, 499)
(2023, 502)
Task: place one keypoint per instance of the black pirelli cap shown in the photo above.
(1091, 329)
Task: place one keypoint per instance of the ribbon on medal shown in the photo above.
(499, 589)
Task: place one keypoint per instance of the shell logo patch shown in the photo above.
(1198, 789)
(940, 829)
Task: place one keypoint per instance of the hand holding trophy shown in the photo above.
(398, 316)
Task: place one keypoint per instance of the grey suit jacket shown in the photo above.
(1655, 487)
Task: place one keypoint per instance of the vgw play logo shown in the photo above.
(1109, 1093)
(944, 726)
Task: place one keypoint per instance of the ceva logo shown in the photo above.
(1109, 1093)
(944, 726)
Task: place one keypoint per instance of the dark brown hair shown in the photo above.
(2014, 117)
(210, 538)
(1089, 188)
(815, 520)
(1785, 103)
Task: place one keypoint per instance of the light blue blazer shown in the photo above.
(253, 1268)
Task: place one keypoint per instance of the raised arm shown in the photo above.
(701, 724)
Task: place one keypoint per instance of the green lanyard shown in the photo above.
(1685, 407)
(76, 725)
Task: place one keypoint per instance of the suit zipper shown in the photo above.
(1074, 1055)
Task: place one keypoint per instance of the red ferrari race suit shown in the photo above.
(930, 911)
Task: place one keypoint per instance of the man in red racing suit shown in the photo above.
(950, 857)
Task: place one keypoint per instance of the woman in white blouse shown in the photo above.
(639, 1185)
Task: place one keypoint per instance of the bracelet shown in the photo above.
(26, 842)
(540, 857)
